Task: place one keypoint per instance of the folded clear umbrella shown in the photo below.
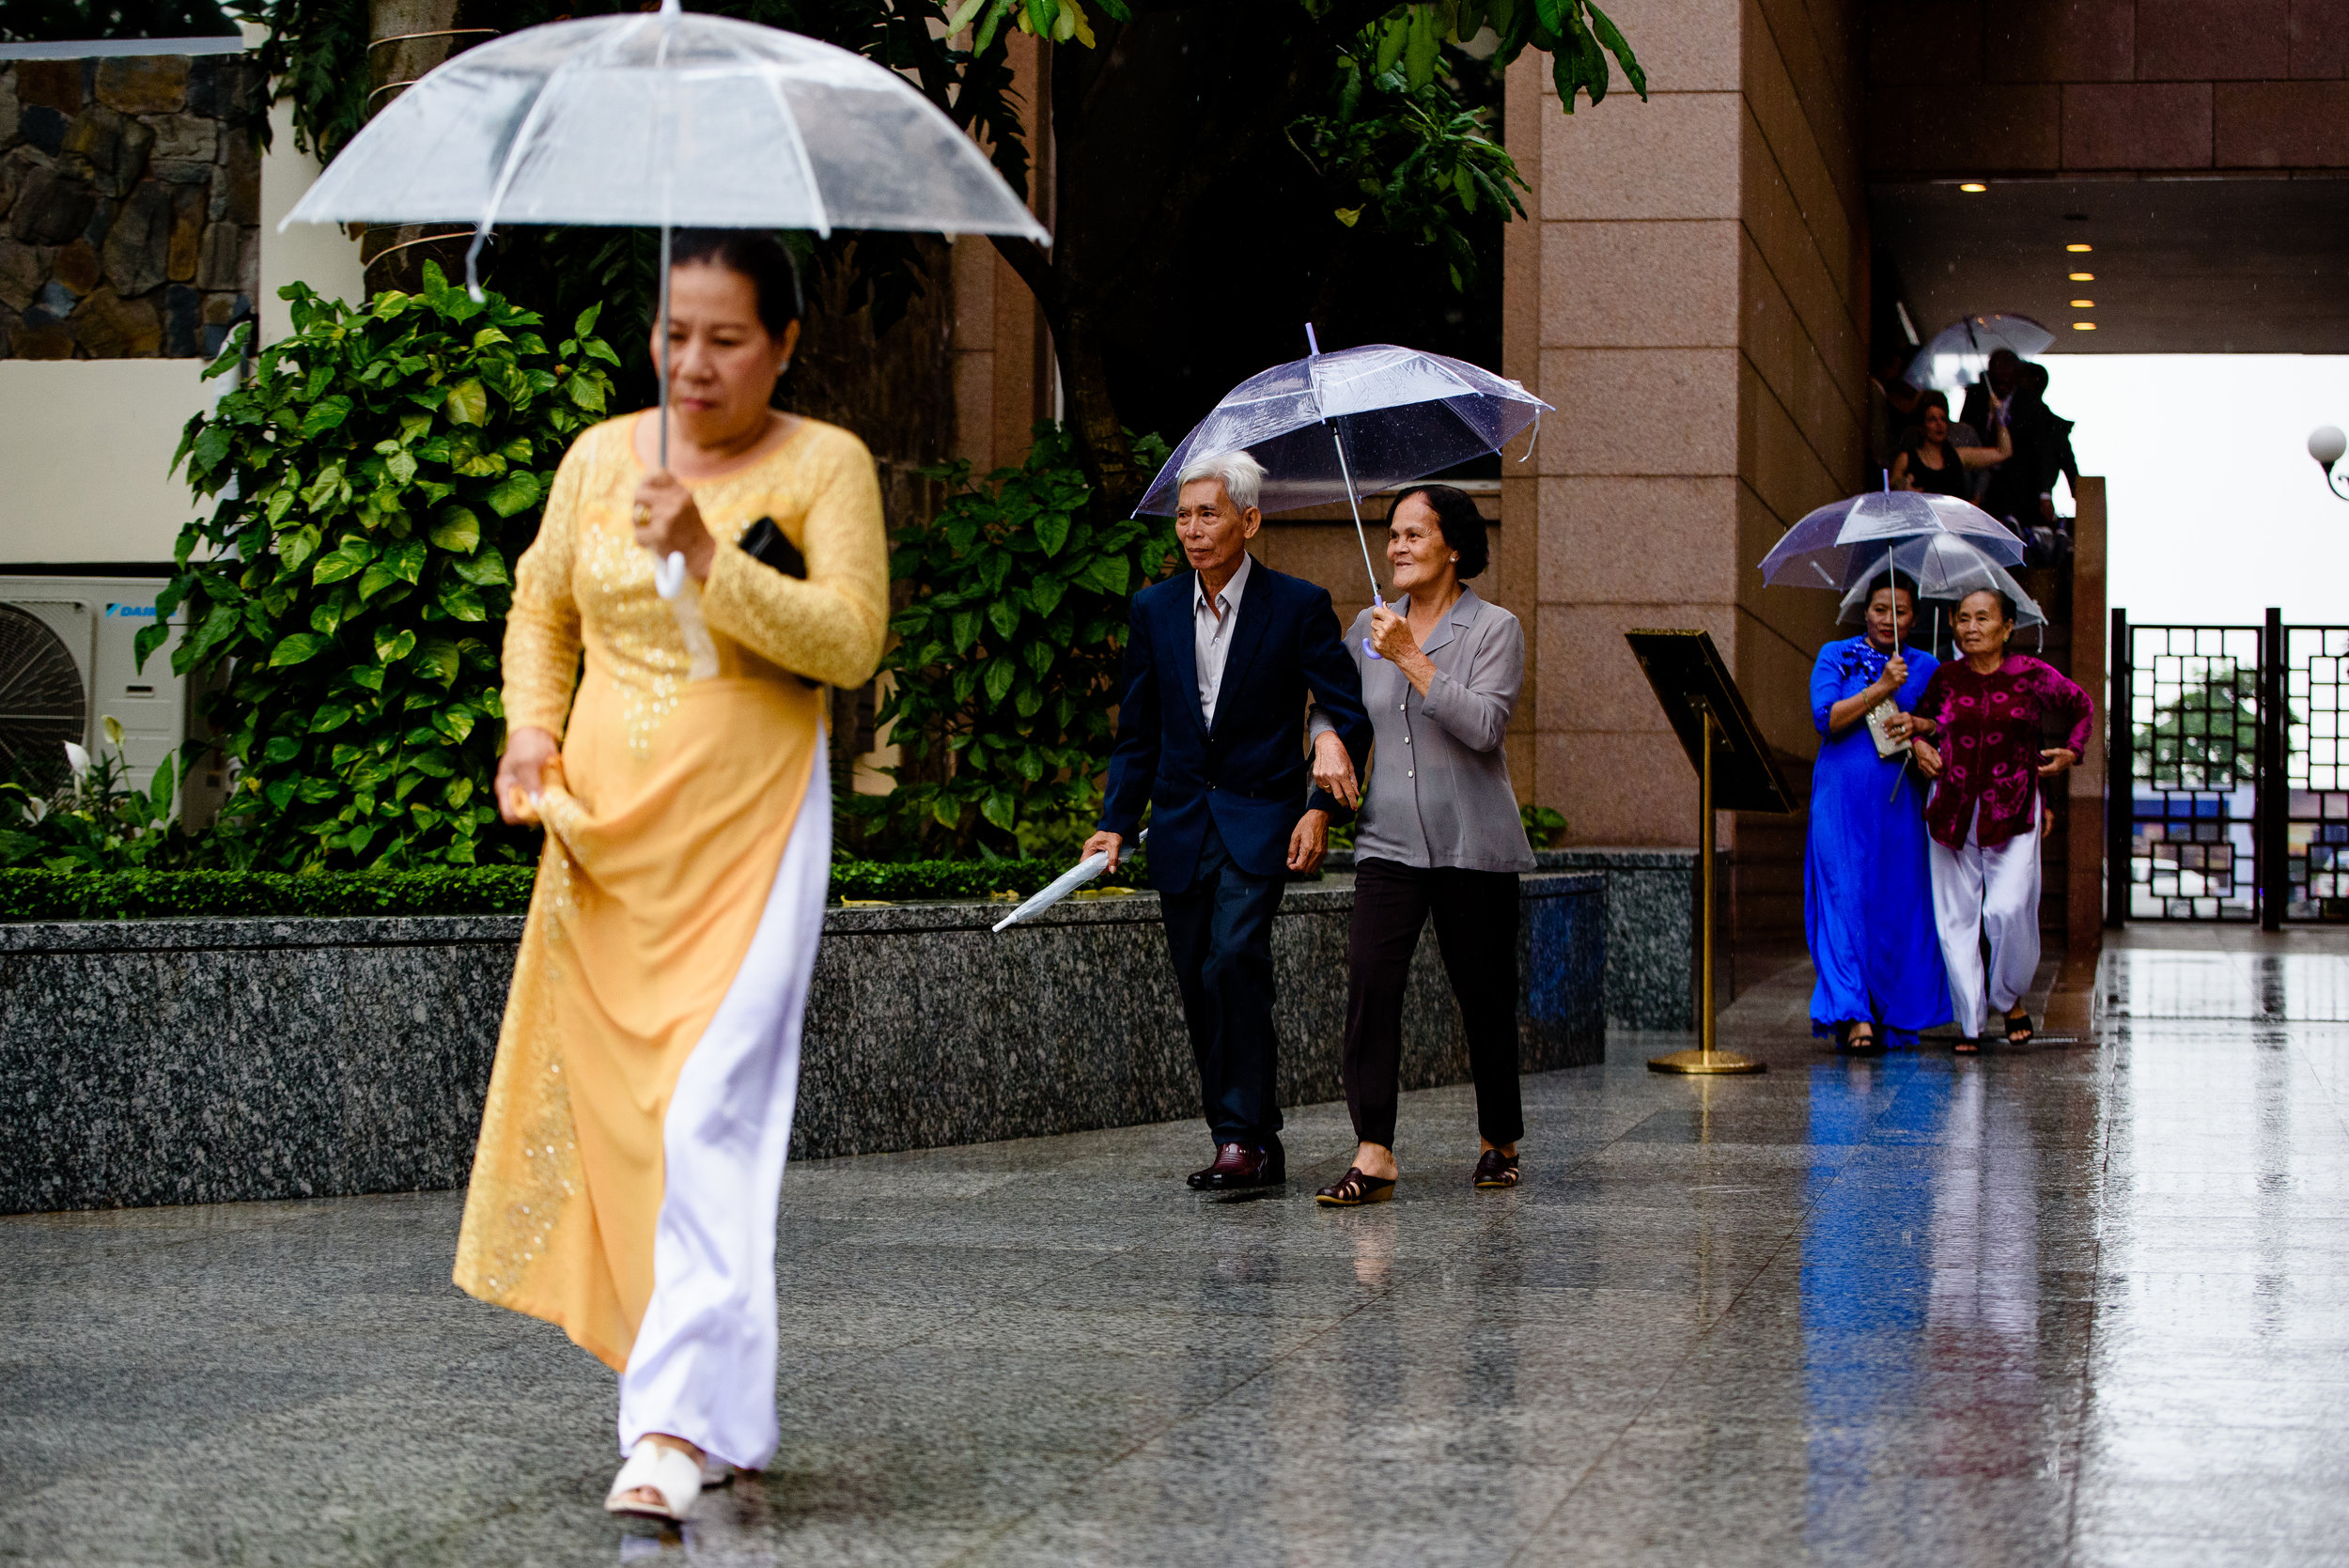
(1959, 354)
(666, 119)
(1062, 886)
(1335, 426)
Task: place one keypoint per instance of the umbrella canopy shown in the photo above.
(1821, 551)
(1943, 566)
(1402, 415)
(668, 119)
(1959, 354)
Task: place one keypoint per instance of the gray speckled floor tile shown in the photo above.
(2081, 1307)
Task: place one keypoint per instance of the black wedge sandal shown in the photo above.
(1495, 1168)
(1354, 1189)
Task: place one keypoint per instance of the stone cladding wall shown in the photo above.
(132, 189)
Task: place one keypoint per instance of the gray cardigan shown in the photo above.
(1438, 790)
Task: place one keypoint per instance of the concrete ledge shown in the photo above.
(215, 1060)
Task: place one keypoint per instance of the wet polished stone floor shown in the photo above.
(2083, 1305)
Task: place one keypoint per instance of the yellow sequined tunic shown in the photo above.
(674, 803)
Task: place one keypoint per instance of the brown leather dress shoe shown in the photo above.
(1240, 1165)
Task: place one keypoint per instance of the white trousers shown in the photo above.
(703, 1366)
(1992, 893)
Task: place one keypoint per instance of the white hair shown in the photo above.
(1241, 475)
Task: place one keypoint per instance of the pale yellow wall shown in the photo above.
(85, 445)
(319, 255)
(86, 452)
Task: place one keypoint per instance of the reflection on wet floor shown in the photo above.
(2078, 1304)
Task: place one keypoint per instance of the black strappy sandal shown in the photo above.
(1495, 1168)
(2018, 1028)
(1353, 1190)
(1867, 1044)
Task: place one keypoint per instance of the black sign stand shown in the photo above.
(1735, 772)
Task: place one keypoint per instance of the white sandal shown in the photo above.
(670, 1473)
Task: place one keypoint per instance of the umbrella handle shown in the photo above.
(1356, 506)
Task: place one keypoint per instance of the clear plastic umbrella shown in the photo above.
(667, 119)
(1333, 427)
(1943, 566)
(1959, 354)
(1820, 551)
(664, 120)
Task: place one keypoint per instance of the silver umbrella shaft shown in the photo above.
(1359, 537)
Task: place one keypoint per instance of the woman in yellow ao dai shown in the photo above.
(633, 1147)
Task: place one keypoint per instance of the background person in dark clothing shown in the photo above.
(1988, 401)
(2021, 492)
(1932, 462)
(1894, 407)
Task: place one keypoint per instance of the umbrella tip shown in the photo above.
(1312, 343)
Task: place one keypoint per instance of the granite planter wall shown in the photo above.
(210, 1061)
(132, 189)
(1651, 928)
(1651, 931)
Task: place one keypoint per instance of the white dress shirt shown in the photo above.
(1211, 632)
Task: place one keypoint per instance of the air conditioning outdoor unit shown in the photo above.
(69, 663)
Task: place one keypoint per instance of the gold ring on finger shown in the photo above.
(643, 513)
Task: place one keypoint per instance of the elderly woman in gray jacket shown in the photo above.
(1440, 833)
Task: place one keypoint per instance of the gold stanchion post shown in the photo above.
(1705, 1060)
(1735, 772)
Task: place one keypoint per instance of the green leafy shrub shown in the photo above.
(1544, 827)
(487, 890)
(1004, 672)
(1405, 156)
(378, 472)
(95, 821)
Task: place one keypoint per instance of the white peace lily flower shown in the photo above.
(77, 757)
(114, 730)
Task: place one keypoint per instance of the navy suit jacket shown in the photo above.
(1249, 774)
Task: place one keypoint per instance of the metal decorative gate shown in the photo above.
(2229, 786)
(2316, 774)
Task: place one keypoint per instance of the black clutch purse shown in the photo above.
(764, 542)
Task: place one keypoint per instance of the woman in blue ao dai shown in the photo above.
(1867, 886)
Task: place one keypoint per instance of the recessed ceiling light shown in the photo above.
(2077, 248)
(2083, 326)
(1973, 187)
(2083, 277)
(2083, 305)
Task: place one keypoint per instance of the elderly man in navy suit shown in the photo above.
(1211, 734)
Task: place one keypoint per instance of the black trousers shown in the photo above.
(1219, 931)
(1476, 928)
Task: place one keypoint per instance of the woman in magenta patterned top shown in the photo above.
(1986, 714)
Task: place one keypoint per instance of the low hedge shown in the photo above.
(27, 895)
